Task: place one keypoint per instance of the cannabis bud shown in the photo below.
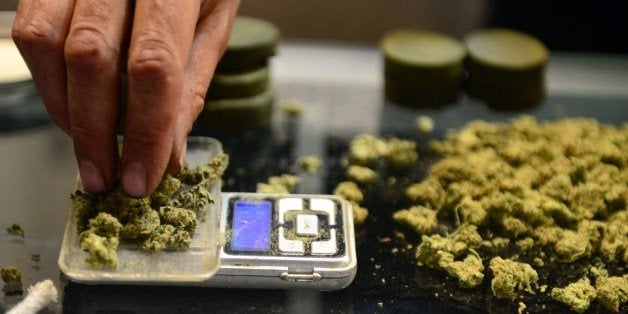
(167, 218)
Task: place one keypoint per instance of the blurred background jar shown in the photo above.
(589, 25)
(20, 106)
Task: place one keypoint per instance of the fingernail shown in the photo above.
(182, 158)
(92, 177)
(134, 179)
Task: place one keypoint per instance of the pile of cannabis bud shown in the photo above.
(165, 219)
(506, 200)
(556, 188)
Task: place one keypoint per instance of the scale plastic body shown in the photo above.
(248, 240)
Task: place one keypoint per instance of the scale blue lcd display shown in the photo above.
(251, 226)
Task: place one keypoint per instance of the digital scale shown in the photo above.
(248, 240)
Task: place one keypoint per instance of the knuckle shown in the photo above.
(36, 34)
(86, 48)
(152, 57)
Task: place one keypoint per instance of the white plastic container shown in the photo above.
(136, 266)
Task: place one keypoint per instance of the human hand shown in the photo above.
(75, 49)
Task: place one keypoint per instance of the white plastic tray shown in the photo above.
(136, 266)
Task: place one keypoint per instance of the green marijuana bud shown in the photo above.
(167, 218)
(16, 229)
(11, 274)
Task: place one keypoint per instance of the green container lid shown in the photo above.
(422, 49)
(252, 42)
(506, 97)
(506, 49)
(501, 56)
(238, 84)
(421, 68)
(505, 67)
(237, 114)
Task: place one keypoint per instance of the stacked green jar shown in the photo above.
(240, 95)
(422, 68)
(504, 68)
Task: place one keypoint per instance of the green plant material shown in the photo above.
(84, 205)
(614, 244)
(525, 244)
(572, 245)
(102, 250)
(424, 124)
(361, 175)
(419, 218)
(444, 253)
(471, 212)
(140, 222)
(468, 271)
(16, 229)
(100, 240)
(195, 199)
(510, 276)
(159, 238)
(521, 308)
(428, 192)
(292, 108)
(178, 217)
(282, 184)
(554, 190)
(201, 179)
(367, 149)
(104, 225)
(401, 153)
(287, 180)
(352, 193)
(271, 189)
(349, 191)
(166, 189)
(310, 163)
(577, 295)
(359, 213)
(210, 172)
(499, 243)
(611, 291)
(11, 274)
(167, 218)
(167, 235)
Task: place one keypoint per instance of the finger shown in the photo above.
(92, 57)
(160, 45)
(210, 42)
(39, 32)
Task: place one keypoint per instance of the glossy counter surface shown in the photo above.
(340, 87)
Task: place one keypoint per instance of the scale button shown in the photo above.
(325, 247)
(325, 205)
(307, 225)
(288, 204)
(289, 246)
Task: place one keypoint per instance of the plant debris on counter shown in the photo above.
(11, 274)
(282, 184)
(16, 229)
(310, 163)
(527, 196)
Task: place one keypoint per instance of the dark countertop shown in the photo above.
(340, 88)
